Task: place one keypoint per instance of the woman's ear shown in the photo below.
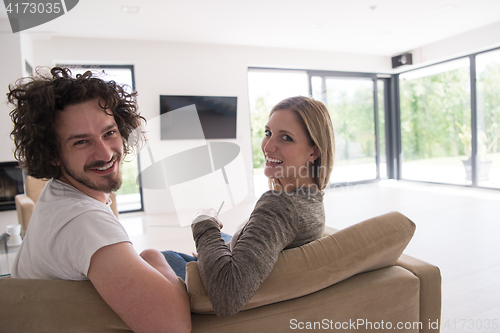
(314, 155)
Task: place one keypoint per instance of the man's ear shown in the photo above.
(55, 163)
(314, 155)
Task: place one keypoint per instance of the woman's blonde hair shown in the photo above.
(318, 125)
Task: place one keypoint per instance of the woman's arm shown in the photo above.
(232, 277)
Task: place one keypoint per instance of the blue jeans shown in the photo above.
(178, 261)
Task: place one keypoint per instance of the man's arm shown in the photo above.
(158, 261)
(145, 299)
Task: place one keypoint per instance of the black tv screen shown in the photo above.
(217, 116)
(11, 184)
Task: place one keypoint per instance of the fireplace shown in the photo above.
(11, 184)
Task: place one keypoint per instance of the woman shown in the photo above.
(298, 147)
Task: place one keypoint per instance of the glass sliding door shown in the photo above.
(265, 89)
(436, 123)
(351, 103)
(488, 119)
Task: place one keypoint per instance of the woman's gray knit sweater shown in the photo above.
(280, 220)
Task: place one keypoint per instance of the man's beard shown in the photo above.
(111, 183)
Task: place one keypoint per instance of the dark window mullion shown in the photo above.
(376, 121)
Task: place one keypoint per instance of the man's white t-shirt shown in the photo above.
(67, 227)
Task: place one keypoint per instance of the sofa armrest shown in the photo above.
(24, 208)
(430, 289)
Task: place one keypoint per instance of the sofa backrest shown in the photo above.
(34, 187)
(36, 305)
(368, 245)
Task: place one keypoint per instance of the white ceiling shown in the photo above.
(378, 27)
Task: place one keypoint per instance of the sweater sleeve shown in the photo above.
(232, 277)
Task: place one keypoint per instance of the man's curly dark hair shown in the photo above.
(38, 100)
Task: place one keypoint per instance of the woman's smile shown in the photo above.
(273, 161)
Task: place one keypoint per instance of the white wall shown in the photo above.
(477, 40)
(26, 53)
(10, 71)
(192, 69)
(203, 69)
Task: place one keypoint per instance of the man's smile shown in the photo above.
(106, 169)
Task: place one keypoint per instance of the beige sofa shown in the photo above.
(354, 279)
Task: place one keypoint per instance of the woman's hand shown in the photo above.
(209, 212)
(212, 213)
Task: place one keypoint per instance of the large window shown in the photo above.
(129, 196)
(450, 122)
(436, 123)
(352, 101)
(352, 109)
(265, 89)
(447, 129)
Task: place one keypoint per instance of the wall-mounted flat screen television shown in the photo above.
(11, 184)
(217, 115)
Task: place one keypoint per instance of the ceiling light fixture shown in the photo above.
(384, 33)
(446, 8)
(314, 26)
(130, 9)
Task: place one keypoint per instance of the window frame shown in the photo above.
(474, 120)
(375, 77)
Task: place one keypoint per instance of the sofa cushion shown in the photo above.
(372, 244)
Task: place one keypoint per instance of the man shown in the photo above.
(75, 132)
